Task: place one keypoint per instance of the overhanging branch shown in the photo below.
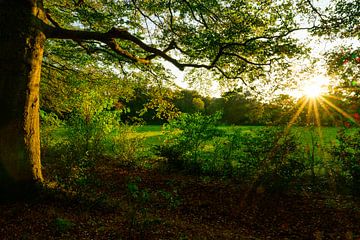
(111, 38)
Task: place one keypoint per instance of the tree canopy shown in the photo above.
(339, 21)
(240, 40)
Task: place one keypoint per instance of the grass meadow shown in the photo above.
(324, 136)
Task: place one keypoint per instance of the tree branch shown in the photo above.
(143, 14)
(171, 16)
(171, 46)
(315, 10)
(110, 41)
(191, 11)
(48, 16)
(110, 37)
(264, 37)
(236, 78)
(246, 60)
(116, 48)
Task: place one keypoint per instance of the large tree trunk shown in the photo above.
(21, 51)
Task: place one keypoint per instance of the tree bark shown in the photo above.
(21, 50)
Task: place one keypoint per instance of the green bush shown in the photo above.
(83, 141)
(49, 124)
(74, 147)
(268, 156)
(127, 147)
(87, 136)
(186, 139)
(63, 225)
(347, 154)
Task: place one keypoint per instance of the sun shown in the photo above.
(315, 87)
(312, 91)
(313, 99)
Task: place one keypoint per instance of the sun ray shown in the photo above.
(326, 109)
(334, 97)
(322, 151)
(296, 115)
(318, 121)
(339, 110)
(316, 114)
(309, 112)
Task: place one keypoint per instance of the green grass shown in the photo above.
(154, 134)
(324, 136)
(149, 129)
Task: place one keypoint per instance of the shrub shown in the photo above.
(49, 124)
(269, 155)
(347, 153)
(186, 139)
(126, 146)
(84, 139)
(83, 142)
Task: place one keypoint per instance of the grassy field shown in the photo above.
(324, 136)
(155, 134)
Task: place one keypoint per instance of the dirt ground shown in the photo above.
(143, 204)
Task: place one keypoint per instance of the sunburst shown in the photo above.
(315, 87)
(312, 91)
(314, 98)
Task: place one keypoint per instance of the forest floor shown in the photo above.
(129, 203)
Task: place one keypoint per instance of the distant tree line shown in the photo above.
(239, 108)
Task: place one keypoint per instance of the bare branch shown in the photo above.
(204, 21)
(238, 77)
(217, 57)
(212, 15)
(195, 65)
(88, 50)
(171, 16)
(109, 39)
(191, 10)
(52, 66)
(230, 77)
(201, 20)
